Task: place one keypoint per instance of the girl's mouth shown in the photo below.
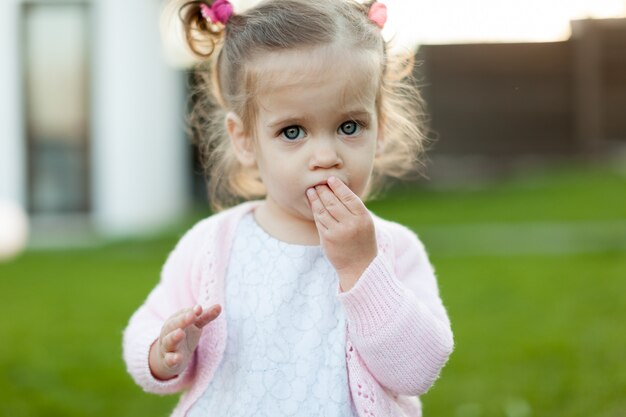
(325, 182)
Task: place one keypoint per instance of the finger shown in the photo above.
(172, 360)
(171, 323)
(350, 200)
(189, 317)
(172, 340)
(335, 207)
(208, 315)
(183, 318)
(320, 214)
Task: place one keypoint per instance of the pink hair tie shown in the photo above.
(220, 11)
(378, 14)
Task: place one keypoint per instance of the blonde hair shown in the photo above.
(224, 82)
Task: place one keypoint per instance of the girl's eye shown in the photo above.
(350, 128)
(293, 132)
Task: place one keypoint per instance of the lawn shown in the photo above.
(532, 270)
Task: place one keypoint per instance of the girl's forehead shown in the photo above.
(356, 73)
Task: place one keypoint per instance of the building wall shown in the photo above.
(139, 158)
(12, 152)
(140, 155)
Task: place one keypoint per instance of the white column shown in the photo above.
(139, 153)
(12, 141)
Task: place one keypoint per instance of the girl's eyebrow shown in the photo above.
(292, 120)
(359, 113)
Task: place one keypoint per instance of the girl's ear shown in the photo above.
(242, 143)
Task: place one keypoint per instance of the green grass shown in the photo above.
(546, 332)
(566, 194)
(63, 316)
(537, 333)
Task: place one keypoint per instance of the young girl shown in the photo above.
(300, 301)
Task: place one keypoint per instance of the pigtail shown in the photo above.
(366, 6)
(405, 122)
(203, 36)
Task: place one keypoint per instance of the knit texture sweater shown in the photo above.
(398, 335)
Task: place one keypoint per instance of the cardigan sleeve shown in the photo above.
(177, 289)
(396, 319)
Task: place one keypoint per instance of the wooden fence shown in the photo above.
(507, 100)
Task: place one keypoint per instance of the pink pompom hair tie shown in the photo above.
(219, 12)
(378, 14)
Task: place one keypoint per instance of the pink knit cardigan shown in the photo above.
(398, 335)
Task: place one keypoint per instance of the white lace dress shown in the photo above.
(285, 353)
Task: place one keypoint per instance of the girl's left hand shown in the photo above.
(346, 229)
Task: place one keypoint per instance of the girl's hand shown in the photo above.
(171, 353)
(346, 229)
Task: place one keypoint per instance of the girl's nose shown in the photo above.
(324, 155)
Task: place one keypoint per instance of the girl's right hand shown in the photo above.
(171, 353)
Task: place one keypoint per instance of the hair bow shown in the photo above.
(378, 14)
(220, 11)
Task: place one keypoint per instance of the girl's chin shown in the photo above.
(307, 212)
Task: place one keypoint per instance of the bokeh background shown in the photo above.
(523, 208)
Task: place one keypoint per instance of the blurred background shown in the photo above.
(523, 208)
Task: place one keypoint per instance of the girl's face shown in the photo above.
(316, 118)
